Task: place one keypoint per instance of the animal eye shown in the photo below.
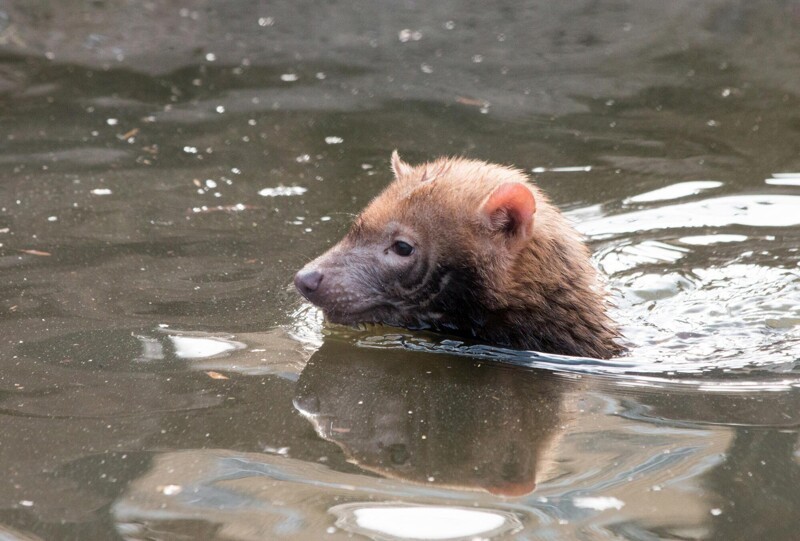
(403, 249)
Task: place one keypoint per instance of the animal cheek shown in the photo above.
(339, 287)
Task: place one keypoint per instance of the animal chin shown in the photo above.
(371, 314)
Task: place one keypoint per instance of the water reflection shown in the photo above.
(185, 345)
(471, 425)
(246, 496)
(549, 453)
(398, 522)
(552, 454)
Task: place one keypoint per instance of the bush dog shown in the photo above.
(468, 248)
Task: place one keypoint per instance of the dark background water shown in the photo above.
(166, 167)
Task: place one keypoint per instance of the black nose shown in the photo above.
(307, 281)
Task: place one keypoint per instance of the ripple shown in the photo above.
(747, 210)
(675, 191)
(713, 318)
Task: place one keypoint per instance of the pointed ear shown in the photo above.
(399, 167)
(509, 209)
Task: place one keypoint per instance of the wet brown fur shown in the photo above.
(536, 291)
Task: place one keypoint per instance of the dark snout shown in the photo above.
(307, 282)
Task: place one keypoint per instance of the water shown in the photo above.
(165, 170)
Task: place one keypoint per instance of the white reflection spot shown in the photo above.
(171, 490)
(751, 210)
(681, 189)
(567, 169)
(706, 240)
(598, 503)
(405, 35)
(190, 347)
(784, 179)
(427, 522)
(282, 191)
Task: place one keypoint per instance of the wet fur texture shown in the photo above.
(481, 267)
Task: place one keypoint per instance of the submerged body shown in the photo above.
(472, 249)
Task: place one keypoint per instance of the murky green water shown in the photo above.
(165, 168)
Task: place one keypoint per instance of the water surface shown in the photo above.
(164, 170)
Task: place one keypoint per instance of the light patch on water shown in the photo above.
(784, 179)
(675, 191)
(432, 522)
(707, 240)
(101, 191)
(170, 490)
(598, 503)
(747, 386)
(406, 34)
(194, 347)
(567, 169)
(592, 212)
(282, 191)
(748, 210)
(656, 286)
(619, 259)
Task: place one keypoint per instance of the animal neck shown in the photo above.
(549, 301)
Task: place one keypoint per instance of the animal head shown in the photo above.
(432, 250)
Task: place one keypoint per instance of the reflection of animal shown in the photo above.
(483, 427)
(453, 245)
